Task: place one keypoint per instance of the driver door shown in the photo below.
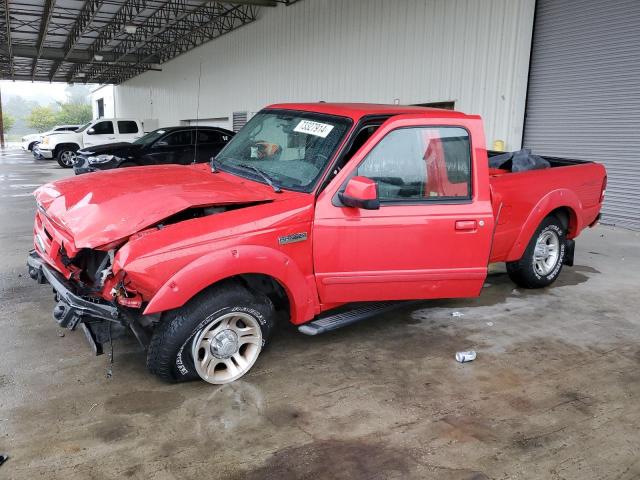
(430, 236)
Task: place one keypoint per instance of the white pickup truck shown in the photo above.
(63, 146)
(30, 141)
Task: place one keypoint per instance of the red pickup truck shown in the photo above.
(321, 213)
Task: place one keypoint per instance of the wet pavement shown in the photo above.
(553, 393)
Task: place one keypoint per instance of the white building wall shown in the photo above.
(107, 94)
(474, 52)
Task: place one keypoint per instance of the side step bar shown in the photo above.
(347, 317)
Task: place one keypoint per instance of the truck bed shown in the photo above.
(518, 196)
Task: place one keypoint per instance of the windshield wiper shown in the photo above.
(264, 176)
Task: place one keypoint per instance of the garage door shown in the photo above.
(584, 93)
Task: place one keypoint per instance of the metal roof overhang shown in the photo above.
(109, 41)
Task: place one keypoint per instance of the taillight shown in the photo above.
(604, 189)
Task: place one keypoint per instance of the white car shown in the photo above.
(30, 141)
(63, 146)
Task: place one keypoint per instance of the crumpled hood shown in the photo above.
(105, 207)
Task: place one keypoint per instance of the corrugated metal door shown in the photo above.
(584, 93)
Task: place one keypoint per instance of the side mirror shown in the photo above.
(361, 192)
(91, 131)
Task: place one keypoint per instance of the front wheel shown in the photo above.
(217, 336)
(542, 261)
(66, 156)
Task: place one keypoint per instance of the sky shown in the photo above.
(34, 90)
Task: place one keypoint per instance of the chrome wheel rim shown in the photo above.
(68, 157)
(227, 347)
(546, 252)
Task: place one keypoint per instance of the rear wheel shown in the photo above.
(217, 336)
(67, 156)
(542, 261)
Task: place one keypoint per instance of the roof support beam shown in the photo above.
(206, 23)
(58, 54)
(262, 3)
(44, 28)
(163, 18)
(87, 14)
(123, 17)
(7, 20)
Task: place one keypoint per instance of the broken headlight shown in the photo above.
(104, 158)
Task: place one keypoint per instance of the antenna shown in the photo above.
(195, 152)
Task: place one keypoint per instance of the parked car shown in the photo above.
(308, 210)
(63, 146)
(30, 141)
(182, 145)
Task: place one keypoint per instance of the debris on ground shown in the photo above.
(464, 357)
(457, 314)
(60, 333)
(92, 407)
(489, 324)
(3, 458)
(515, 291)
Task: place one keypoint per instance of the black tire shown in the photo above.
(524, 272)
(63, 155)
(169, 355)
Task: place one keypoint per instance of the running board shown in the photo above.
(347, 317)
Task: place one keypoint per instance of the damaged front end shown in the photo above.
(91, 289)
(84, 234)
(79, 303)
(87, 292)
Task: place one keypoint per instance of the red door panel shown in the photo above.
(429, 249)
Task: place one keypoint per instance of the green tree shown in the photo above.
(41, 118)
(7, 121)
(73, 113)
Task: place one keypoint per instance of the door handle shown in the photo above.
(466, 225)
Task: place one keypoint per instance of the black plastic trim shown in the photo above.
(64, 290)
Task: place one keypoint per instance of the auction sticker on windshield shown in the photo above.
(314, 128)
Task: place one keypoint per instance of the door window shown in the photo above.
(127, 126)
(421, 163)
(102, 128)
(176, 139)
(209, 136)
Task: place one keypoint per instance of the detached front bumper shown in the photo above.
(74, 306)
(96, 319)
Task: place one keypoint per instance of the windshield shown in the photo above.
(150, 137)
(291, 148)
(84, 127)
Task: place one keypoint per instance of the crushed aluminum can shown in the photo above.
(464, 357)
(457, 314)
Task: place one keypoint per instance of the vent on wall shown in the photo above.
(239, 119)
